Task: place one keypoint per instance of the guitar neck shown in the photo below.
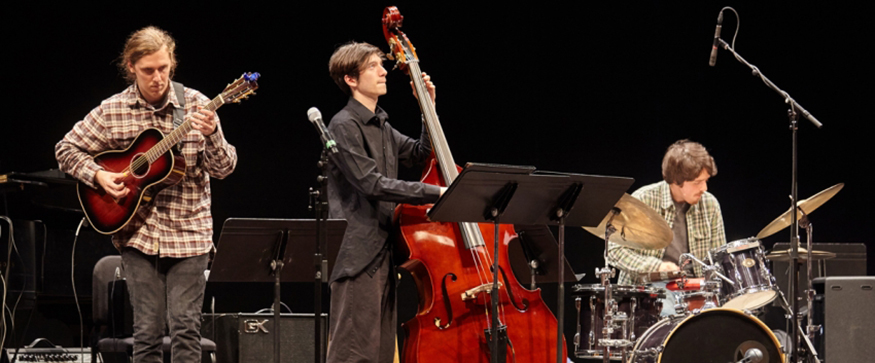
(179, 133)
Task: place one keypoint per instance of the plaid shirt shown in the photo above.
(177, 222)
(704, 232)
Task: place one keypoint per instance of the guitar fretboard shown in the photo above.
(176, 136)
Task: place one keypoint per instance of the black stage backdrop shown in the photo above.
(598, 88)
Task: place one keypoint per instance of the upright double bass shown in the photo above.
(451, 264)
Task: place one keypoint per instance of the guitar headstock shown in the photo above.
(400, 48)
(241, 88)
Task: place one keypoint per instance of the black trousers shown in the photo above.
(362, 322)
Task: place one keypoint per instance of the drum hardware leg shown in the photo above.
(812, 352)
(809, 293)
(679, 306)
(604, 275)
(802, 335)
(577, 335)
(803, 338)
(634, 303)
(592, 325)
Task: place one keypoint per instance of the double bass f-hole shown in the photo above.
(510, 295)
(447, 304)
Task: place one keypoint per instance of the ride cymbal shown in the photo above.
(806, 205)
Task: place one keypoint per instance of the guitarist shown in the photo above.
(363, 189)
(165, 246)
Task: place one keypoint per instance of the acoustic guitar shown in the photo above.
(149, 166)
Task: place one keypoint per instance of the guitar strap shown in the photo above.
(179, 112)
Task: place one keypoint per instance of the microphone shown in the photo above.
(713, 59)
(752, 355)
(755, 355)
(327, 140)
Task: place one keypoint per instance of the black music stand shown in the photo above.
(485, 193)
(275, 250)
(541, 255)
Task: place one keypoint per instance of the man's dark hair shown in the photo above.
(348, 60)
(684, 161)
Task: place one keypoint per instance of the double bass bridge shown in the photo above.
(475, 292)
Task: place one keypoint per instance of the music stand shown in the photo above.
(258, 250)
(484, 193)
(541, 255)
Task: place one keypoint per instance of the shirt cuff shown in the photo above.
(432, 193)
(217, 138)
(88, 172)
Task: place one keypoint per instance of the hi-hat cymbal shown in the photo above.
(784, 255)
(806, 205)
(638, 225)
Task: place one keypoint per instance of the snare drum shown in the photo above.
(640, 303)
(713, 336)
(693, 294)
(743, 262)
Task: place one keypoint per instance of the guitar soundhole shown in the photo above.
(139, 166)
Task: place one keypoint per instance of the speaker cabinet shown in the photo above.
(249, 338)
(845, 308)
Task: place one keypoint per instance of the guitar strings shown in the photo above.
(172, 139)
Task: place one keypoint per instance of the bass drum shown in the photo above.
(713, 336)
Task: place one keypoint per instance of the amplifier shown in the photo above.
(844, 307)
(249, 338)
(44, 355)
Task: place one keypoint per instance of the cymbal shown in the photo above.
(638, 225)
(784, 255)
(806, 205)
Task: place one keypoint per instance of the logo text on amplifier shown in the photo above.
(253, 326)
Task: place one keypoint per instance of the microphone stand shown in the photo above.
(319, 205)
(794, 226)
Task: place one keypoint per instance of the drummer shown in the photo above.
(692, 213)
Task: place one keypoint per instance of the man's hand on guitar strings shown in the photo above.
(112, 183)
(204, 121)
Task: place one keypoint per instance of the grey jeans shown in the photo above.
(165, 289)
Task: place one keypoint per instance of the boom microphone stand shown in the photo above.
(795, 109)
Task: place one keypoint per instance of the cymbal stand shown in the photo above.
(612, 316)
(811, 329)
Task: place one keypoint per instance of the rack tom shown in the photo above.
(744, 263)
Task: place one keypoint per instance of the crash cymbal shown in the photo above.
(784, 255)
(638, 225)
(806, 205)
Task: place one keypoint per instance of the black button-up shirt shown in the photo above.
(362, 184)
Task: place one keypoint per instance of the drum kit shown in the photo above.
(716, 317)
